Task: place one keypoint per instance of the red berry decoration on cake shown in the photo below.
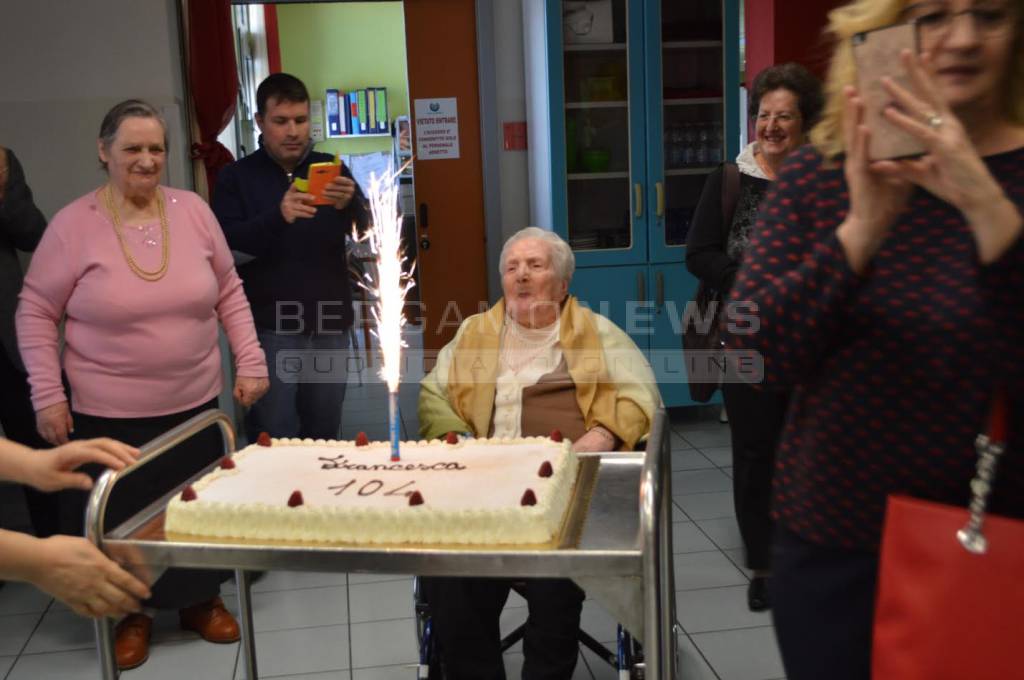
(529, 498)
(362, 439)
(188, 494)
(556, 435)
(545, 469)
(295, 500)
(451, 438)
(263, 439)
(226, 463)
(415, 498)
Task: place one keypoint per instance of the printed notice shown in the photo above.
(437, 128)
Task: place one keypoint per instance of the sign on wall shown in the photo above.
(437, 128)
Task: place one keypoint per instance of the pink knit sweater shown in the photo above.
(133, 348)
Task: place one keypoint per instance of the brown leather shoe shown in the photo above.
(131, 644)
(211, 620)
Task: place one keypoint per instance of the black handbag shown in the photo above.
(700, 341)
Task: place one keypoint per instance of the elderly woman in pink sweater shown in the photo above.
(142, 275)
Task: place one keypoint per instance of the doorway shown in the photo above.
(417, 51)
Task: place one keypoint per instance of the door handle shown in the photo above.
(641, 291)
(659, 189)
(424, 216)
(639, 190)
(659, 290)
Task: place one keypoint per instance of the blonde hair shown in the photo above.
(867, 15)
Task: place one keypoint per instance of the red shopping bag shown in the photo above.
(951, 586)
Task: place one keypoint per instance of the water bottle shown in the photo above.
(675, 151)
(703, 146)
(717, 145)
(689, 145)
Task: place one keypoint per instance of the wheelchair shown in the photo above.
(626, 659)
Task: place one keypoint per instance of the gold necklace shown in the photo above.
(165, 237)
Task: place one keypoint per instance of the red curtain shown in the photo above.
(213, 80)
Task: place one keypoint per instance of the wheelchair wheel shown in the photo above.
(429, 667)
(637, 672)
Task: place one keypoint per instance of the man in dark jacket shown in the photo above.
(297, 280)
(21, 227)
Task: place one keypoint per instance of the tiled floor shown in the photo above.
(314, 626)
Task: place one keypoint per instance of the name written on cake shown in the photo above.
(340, 462)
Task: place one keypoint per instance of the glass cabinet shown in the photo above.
(631, 103)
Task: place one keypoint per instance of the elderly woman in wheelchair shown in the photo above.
(534, 362)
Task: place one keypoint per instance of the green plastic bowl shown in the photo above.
(595, 160)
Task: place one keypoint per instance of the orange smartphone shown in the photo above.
(877, 54)
(320, 175)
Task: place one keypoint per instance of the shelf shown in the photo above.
(596, 47)
(689, 171)
(598, 175)
(597, 105)
(691, 44)
(694, 101)
(376, 134)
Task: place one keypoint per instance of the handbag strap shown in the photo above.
(990, 446)
(730, 197)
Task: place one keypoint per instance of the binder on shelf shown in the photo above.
(361, 99)
(343, 123)
(333, 114)
(353, 112)
(381, 95)
(371, 111)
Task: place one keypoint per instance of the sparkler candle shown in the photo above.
(389, 285)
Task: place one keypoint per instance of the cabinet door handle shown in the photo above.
(639, 190)
(641, 291)
(659, 290)
(659, 189)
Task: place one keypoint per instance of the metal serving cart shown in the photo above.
(617, 545)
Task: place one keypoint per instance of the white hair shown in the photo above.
(562, 259)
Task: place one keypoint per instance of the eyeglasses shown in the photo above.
(935, 21)
(782, 117)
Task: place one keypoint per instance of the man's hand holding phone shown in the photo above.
(339, 191)
(295, 204)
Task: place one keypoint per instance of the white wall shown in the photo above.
(63, 64)
(511, 106)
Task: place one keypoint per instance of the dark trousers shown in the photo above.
(19, 422)
(756, 418)
(465, 614)
(308, 376)
(823, 604)
(177, 588)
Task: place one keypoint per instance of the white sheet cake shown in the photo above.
(472, 492)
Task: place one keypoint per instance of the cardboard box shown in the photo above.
(587, 21)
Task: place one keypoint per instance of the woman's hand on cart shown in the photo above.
(74, 571)
(53, 469)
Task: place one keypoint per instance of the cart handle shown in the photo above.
(656, 534)
(96, 509)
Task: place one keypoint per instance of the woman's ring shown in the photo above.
(934, 120)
